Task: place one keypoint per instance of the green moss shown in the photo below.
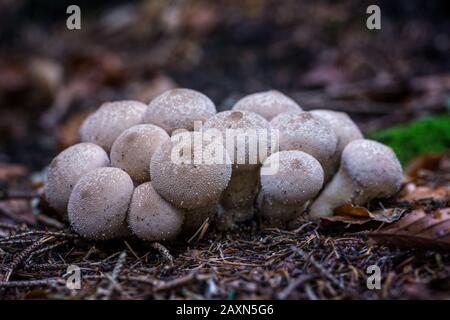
(425, 135)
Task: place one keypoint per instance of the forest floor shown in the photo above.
(326, 261)
(321, 54)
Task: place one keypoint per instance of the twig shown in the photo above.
(319, 267)
(31, 283)
(294, 284)
(22, 256)
(163, 251)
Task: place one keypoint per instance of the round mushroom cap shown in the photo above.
(67, 168)
(267, 104)
(344, 127)
(304, 132)
(191, 170)
(151, 218)
(237, 127)
(99, 202)
(178, 109)
(373, 166)
(110, 120)
(134, 148)
(299, 178)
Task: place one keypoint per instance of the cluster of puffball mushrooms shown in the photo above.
(120, 180)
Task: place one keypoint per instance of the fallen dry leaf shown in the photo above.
(412, 192)
(431, 162)
(418, 229)
(351, 214)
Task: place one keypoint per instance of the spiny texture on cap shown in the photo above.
(344, 127)
(178, 109)
(302, 131)
(190, 184)
(245, 123)
(151, 218)
(110, 120)
(134, 148)
(267, 104)
(373, 166)
(99, 202)
(299, 178)
(67, 168)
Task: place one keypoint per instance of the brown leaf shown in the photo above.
(431, 162)
(418, 229)
(68, 132)
(413, 192)
(351, 214)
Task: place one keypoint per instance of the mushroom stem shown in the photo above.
(337, 193)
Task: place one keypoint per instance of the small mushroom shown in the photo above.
(268, 104)
(286, 193)
(67, 168)
(99, 202)
(190, 171)
(368, 170)
(110, 120)
(237, 200)
(344, 128)
(134, 148)
(179, 109)
(151, 218)
(304, 132)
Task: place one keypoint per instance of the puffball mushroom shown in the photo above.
(110, 120)
(179, 109)
(99, 202)
(67, 168)
(151, 218)
(237, 200)
(368, 170)
(191, 170)
(267, 104)
(344, 128)
(285, 194)
(134, 148)
(304, 132)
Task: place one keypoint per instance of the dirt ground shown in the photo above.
(320, 53)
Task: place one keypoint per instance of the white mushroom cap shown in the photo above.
(67, 168)
(267, 104)
(99, 202)
(151, 218)
(298, 180)
(134, 148)
(245, 123)
(304, 132)
(368, 170)
(110, 120)
(344, 127)
(196, 181)
(178, 109)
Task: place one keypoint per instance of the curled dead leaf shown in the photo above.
(418, 229)
(351, 214)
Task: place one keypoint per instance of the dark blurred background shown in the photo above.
(318, 52)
